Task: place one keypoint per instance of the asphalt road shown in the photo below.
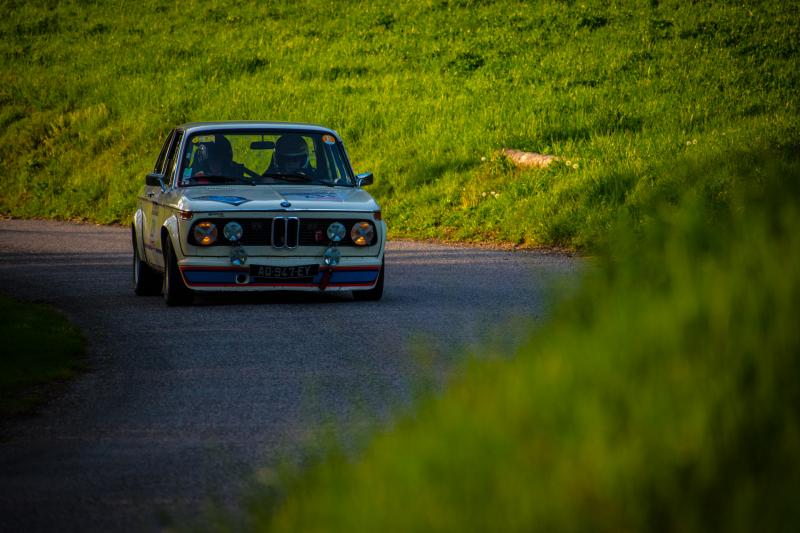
(181, 405)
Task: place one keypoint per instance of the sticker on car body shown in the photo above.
(232, 200)
(319, 196)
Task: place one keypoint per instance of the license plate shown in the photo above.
(267, 273)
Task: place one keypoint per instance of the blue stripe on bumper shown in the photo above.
(205, 276)
(350, 276)
(210, 276)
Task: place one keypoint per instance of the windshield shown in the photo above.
(264, 158)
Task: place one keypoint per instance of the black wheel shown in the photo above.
(146, 281)
(374, 294)
(174, 289)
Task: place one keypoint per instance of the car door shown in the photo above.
(148, 200)
(151, 208)
(160, 207)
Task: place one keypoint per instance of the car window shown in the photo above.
(171, 159)
(162, 156)
(265, 157)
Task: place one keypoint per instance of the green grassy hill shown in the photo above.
(424, 93)
(663, 396)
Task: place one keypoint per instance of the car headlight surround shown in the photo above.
(362, 233)
(205, 233)
(233, 231)
(336, 231)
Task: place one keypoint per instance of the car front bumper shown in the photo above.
(215, 274)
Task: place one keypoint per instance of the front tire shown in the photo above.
(146, 281)
(374, 294)
(174, 289)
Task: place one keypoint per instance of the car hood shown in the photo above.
(276, 198)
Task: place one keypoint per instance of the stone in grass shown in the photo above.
(528, 159)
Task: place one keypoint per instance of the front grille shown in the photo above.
(255, 231)
(285, 232)
(313, 231)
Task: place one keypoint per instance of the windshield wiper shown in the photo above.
(224, 179)
(288, 176)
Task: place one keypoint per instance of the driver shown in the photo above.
(291, 156)
(216, 159)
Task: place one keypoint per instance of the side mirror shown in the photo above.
(364, 179)
(154, 179)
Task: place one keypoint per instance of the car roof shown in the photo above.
(192, 127)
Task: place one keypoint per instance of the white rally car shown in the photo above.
(254, 206)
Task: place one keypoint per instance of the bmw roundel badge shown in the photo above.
(286, 203)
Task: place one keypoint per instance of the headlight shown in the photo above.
(332, 256)
(362, 233)
(205, 233)
(238, 256)
(336, 231)
(233, 231)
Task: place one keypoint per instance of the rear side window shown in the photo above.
(162, 156)
(172, 155)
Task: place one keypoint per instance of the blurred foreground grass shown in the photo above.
(664, 397)
(40, 347)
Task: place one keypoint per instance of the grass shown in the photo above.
(40, 347)
(663, 396)
(424, 93)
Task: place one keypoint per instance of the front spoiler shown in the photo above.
(343, 277)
